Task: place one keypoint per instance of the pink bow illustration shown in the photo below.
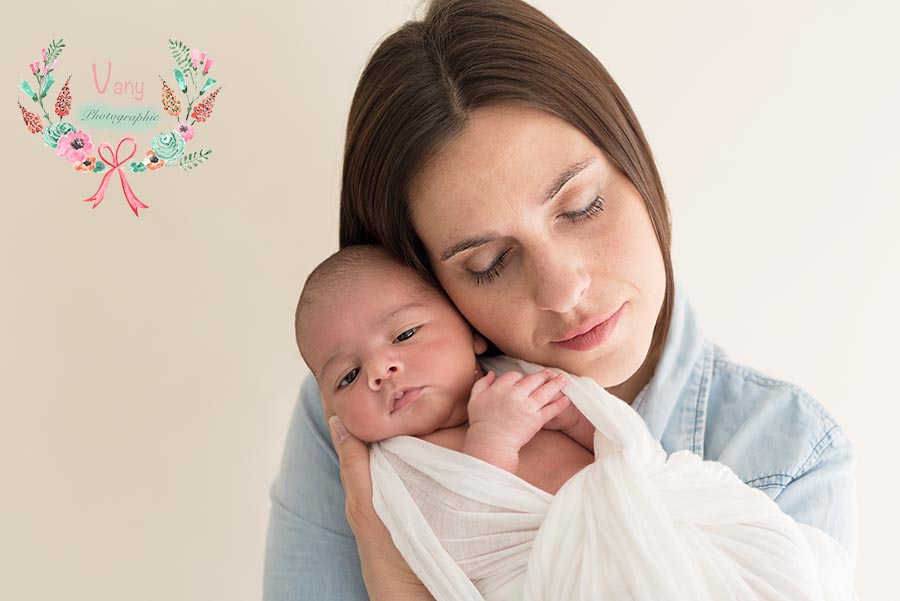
(116, 164)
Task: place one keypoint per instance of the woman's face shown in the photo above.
(542, 243)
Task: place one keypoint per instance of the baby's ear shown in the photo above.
(480, 344)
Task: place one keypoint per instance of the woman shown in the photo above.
(492, 152)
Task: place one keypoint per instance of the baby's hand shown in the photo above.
(575, 425)
(506, 412)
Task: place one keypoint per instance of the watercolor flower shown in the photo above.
(152, 161)
(170, 102)
(87, 165)
(137, 167)
(168, 146)
(64, 100)
(32, 121)
(99, 166)
(57, 130)
(199, 58)
(203, 110)
(74, 146)
(184, 130)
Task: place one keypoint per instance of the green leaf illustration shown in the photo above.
(46, 87)
(205, 87)
(27, 89)
(54, 50)
(182, 55)
(194, 159)
(179, 77)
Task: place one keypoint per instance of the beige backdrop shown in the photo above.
(148, 365)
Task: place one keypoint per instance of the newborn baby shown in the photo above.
(392, 356)
(397, 363)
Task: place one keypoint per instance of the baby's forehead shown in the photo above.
(363, 283)
(342, 325)
(367, 296)
(359, 287)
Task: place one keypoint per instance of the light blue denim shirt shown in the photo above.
(772, 434)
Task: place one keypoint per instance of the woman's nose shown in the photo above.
(381, 371)
(560, 281)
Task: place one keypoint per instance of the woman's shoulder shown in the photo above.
(768, 430)
(747, 391)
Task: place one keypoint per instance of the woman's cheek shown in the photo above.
(495, 309)
(503, 321)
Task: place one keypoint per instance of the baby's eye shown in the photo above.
(406, 335)
(348, 379)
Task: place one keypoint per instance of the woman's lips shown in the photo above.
(591, 336)
(404, 397)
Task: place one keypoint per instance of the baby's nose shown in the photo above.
(378, 377)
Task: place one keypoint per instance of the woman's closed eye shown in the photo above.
(592, 210)
(492, 271)
(483, 276)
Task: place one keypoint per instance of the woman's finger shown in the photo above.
(385, 573)
(353, 455)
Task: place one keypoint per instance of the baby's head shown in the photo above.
(391, 354)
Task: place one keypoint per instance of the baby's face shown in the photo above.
(391, 356)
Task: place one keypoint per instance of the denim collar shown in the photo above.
(658, 400)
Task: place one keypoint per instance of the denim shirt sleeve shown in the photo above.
(780, 440)
(824, 493)
(310, 549)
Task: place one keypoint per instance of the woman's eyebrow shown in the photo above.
(557, 185)
(564, 177)
(467, 244)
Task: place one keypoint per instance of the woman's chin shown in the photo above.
(608, 370)
(610, 376)
(610, 365)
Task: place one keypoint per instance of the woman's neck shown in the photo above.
(630, 388)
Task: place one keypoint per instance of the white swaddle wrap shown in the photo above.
(635, 524)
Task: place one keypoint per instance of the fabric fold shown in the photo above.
(634, 524)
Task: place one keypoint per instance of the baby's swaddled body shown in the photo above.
(484, 518)
(633, 524)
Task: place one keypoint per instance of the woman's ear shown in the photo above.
(480, 344)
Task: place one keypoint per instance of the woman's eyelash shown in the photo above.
(592, 210)
(492, 271)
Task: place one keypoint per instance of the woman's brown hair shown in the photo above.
(424, 80)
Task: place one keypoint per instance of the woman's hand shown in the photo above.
(385, 572)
